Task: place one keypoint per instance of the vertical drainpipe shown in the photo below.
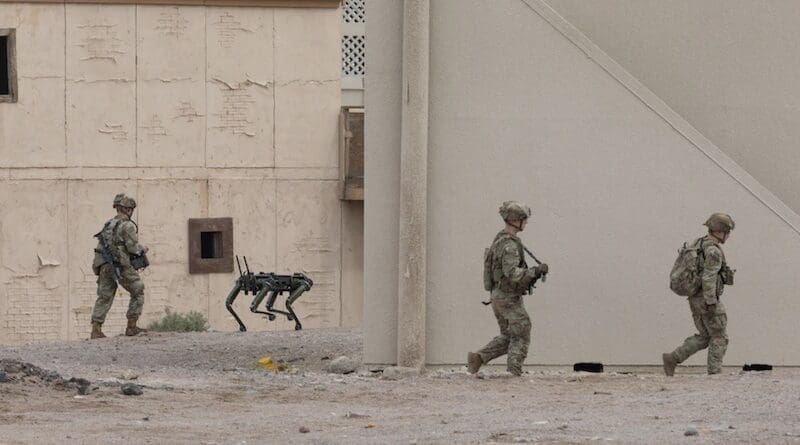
(413, 186)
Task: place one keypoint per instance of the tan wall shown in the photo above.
(729, 67)
(518, 111)
(196, 112)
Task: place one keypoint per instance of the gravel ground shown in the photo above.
(206, 388)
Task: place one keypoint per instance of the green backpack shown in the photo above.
(488, 282)
(685, 278)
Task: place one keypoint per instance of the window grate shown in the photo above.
(353, 54)
(353, 11)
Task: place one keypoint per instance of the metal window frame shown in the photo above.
(351, 177)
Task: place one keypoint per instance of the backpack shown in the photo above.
(488, 282)
(685, 278)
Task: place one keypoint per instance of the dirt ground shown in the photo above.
(206, 388)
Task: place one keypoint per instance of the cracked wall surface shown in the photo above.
(196, 112)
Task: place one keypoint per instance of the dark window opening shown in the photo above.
(5, 86)
(8, 67)
(210, 244)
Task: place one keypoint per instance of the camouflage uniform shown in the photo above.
(123, 241)
(707, 310)
(511, 278)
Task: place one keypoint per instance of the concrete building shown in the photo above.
(198, 109)
(622, 154)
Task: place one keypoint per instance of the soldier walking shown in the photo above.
(120, 237)
(508, 278)
(707, 309)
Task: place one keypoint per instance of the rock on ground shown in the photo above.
(343, 365)
(399, 373)
(131, 389)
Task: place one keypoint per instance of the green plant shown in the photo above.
(192, 321)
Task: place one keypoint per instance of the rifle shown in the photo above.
(105, 251)
(262, 283)
(539, 263)
(140, 261)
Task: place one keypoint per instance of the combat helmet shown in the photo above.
(128, 202)
(719, 222)
(117, 199)
(513, 210)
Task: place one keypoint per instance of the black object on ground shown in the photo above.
(131, 389)
(756, 367)
(588, 367)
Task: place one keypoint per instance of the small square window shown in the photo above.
(210, 245)
(8, 66)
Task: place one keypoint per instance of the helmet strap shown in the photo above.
(518, 227)
(722, 240)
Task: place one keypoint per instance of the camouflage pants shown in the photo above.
(107, 289)
(711, 334)
(515, 332)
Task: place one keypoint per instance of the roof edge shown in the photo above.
(252, 3)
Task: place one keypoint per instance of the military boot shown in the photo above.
(516, 372)
(132, 329)
(474, 362)
(669, 363)
(97, 332)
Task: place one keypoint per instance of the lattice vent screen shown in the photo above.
(353, 11)
(353, 55)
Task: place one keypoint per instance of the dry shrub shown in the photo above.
(192, 321)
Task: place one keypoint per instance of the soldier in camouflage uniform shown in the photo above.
(707, 309)
(510, 279)
(123, 241)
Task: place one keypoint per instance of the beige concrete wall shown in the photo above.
(383, 98)
(518, 111)
(352, 263)
(729, 67)
(196, 112)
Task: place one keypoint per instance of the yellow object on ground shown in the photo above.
(267, 363)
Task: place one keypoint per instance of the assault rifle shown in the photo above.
(105, 251)
(539, 263)
(260, 284)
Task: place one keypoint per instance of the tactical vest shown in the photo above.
(493, 266)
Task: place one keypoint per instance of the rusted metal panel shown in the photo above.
(352, 140)
(210, 245)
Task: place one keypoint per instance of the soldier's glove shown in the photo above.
(530, 277)
(541, 270)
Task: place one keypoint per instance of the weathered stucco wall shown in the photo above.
(728, 66)
(196, 112)
(518, 111)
